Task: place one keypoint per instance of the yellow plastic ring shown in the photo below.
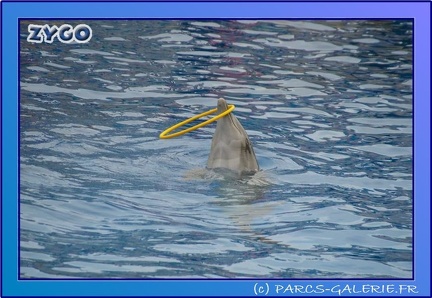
(164, 134)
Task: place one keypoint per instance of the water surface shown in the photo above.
(327, 106)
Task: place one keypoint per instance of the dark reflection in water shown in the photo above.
(327, 105)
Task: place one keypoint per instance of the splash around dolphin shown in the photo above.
(231, 148)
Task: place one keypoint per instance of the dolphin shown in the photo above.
(231, 148)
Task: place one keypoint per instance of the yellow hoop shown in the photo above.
(164, 135)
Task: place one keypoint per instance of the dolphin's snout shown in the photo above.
(222, 105)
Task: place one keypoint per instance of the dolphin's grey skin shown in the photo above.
(231, 148)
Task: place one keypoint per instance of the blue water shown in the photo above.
(327, 106)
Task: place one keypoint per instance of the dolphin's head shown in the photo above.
(231, 148)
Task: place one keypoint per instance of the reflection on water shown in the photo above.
(327, 105)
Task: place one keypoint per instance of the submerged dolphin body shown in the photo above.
(230, 147)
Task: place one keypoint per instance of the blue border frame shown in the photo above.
(11, 12)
